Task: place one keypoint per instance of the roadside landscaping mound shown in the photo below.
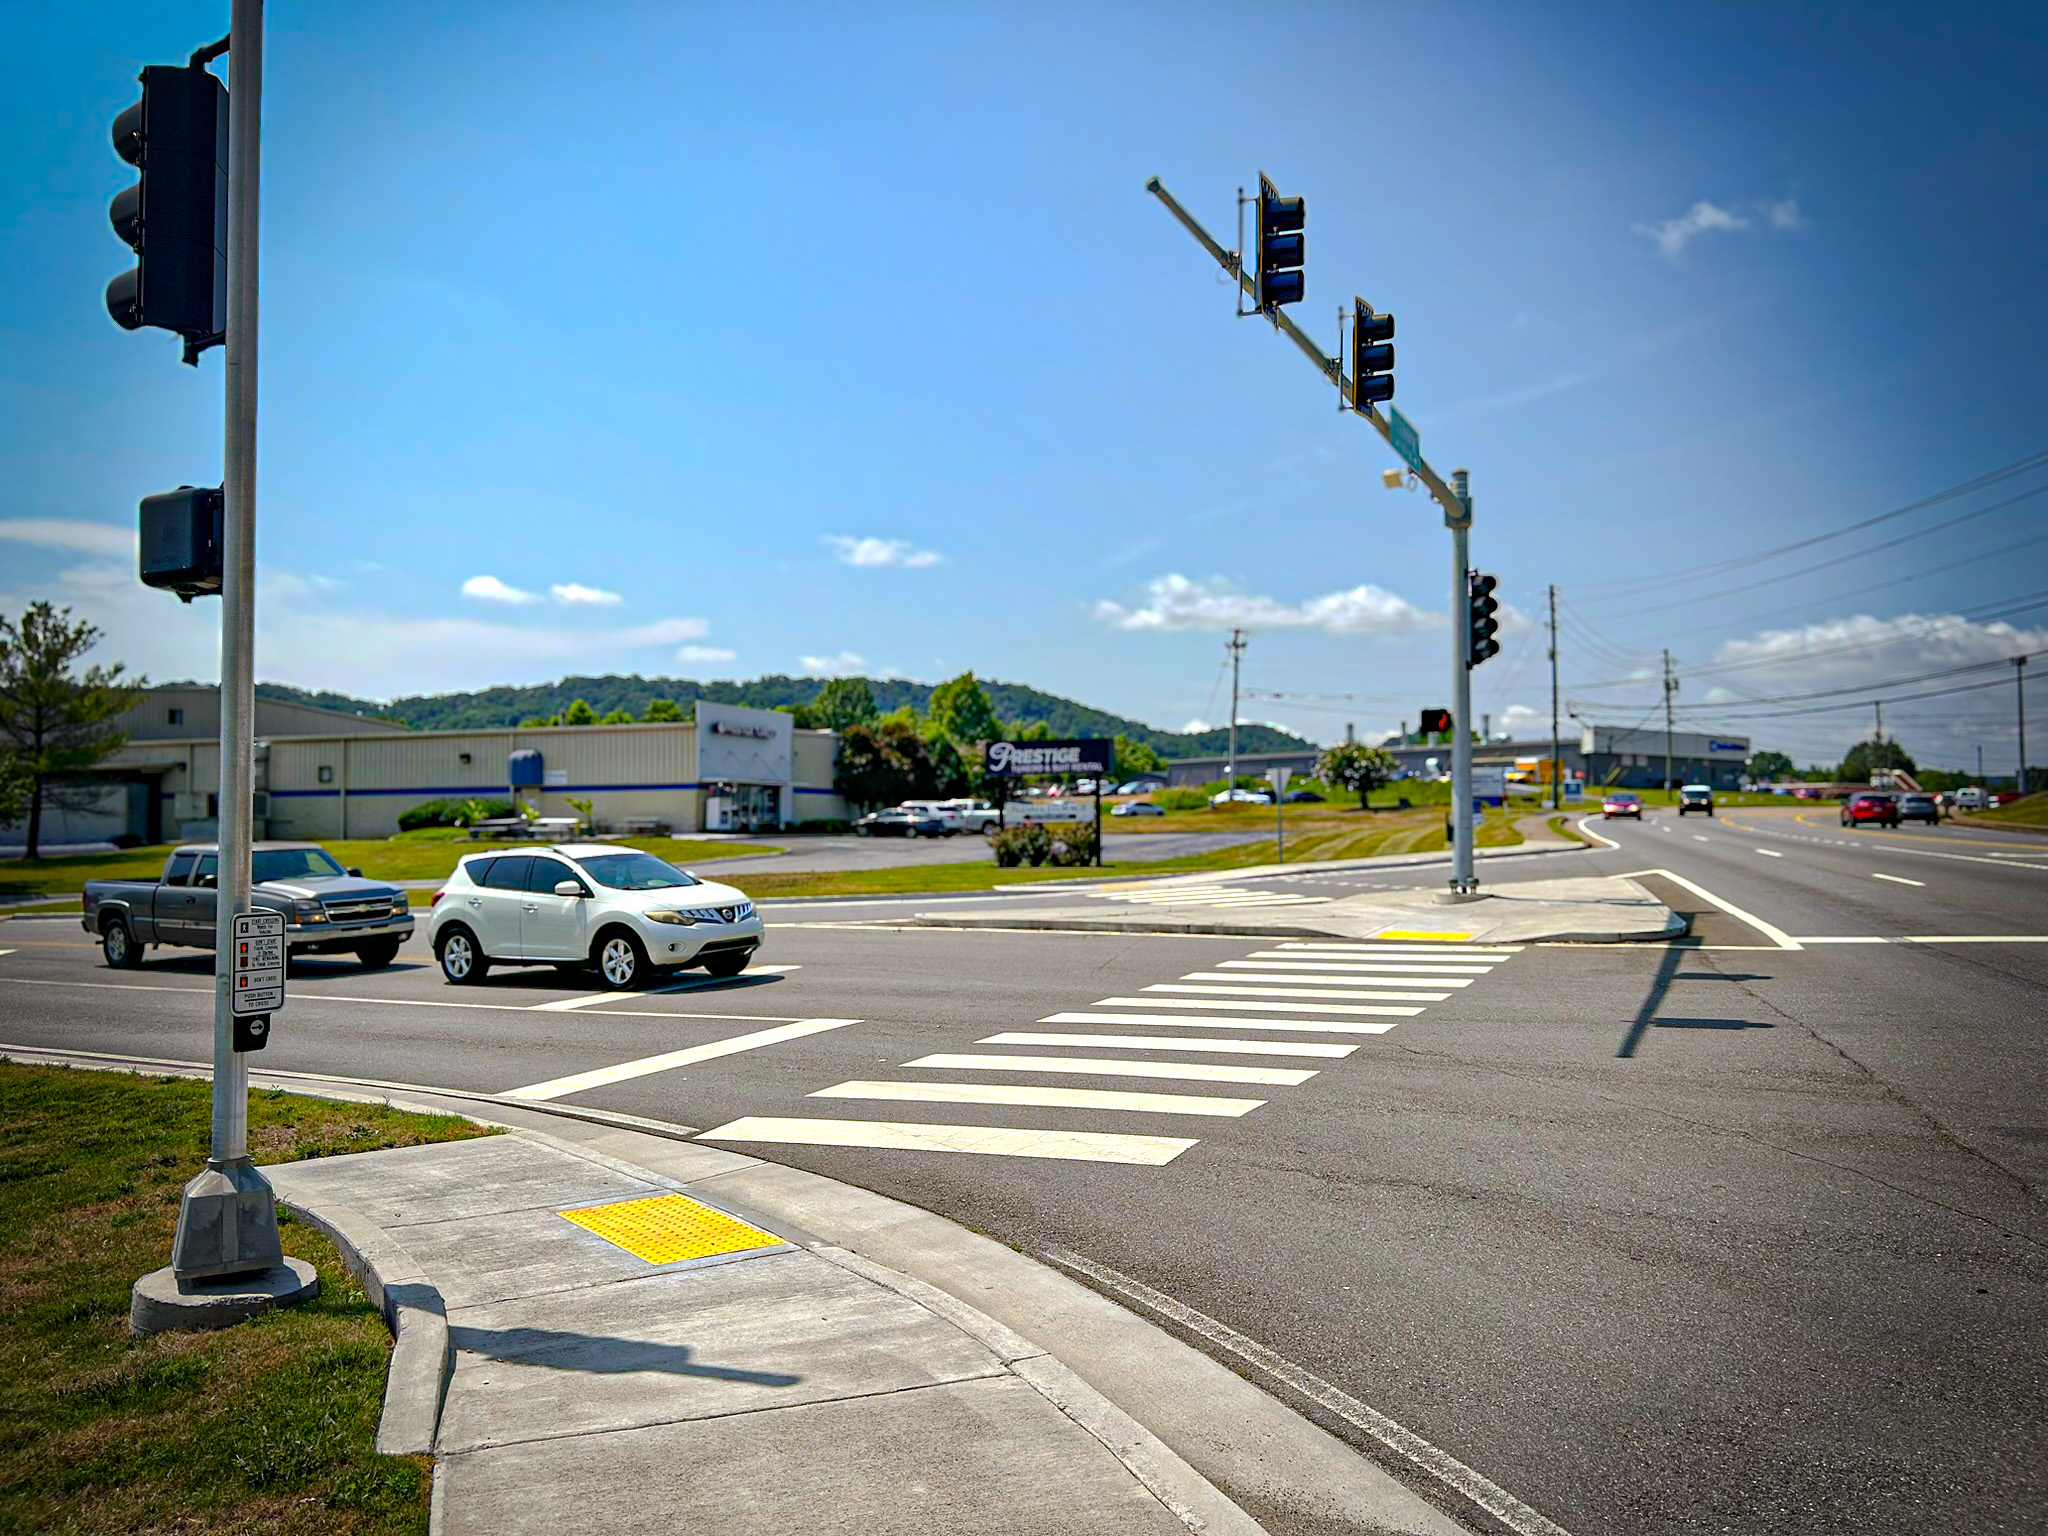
(264, 1427)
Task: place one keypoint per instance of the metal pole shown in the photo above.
(1463, 881)
(1670, 687)
(227, 1223)
(1236, 655)
(2019, 687)
(1279, 828)
(1556, 748)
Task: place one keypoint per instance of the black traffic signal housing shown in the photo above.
(1372, 356)
(1435, 722)
(176, 217)
(1483, 606)
(1282, 253)
(181, 547)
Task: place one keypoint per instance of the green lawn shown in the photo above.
(397, 858)
(266, 1427)
(2030, 812)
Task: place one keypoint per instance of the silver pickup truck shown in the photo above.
(327, 909)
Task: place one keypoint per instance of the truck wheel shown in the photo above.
(621, 963)
(463, 961)
(378, 955)
(119, 946)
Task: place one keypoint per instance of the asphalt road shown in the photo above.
(1744, 1234)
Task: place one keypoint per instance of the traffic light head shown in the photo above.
(1484, 626)
(176, 217)
(1435, 721)
(1372, 355)
(181, 543)
(1282, 251)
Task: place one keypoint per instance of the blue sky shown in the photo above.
(694, 341)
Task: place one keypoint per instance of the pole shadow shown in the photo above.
(555, 1350)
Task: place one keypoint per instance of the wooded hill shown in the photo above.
(1014, 702)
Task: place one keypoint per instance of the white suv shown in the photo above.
(623, 912)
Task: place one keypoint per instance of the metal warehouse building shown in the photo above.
(322, 773)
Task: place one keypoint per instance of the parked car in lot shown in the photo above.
(1918, 807)
(1861, 809)
(1241, 797)
(944, 812)
(1695, 797)
(327, 909)
(624, 913)
(1302, 797)
(2004, 797)
(1136, 808)
(1973, 797)
(1621, 802)
(897, 822)
(975, 815)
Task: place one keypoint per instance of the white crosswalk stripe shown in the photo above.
(1312, 987)
(1163, 1043)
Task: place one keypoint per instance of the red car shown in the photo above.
(1622, 803)
(1858, 809)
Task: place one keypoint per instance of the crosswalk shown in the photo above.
(1311, 988)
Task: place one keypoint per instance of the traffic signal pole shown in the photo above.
(1457, 506)
(227, 1222)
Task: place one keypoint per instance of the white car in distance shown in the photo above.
(621, 912)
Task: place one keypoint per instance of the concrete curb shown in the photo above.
(417, 1380)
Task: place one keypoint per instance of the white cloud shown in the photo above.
(692, 655)
(665, 632)
(1817, 656)
(1196, 727)
(1518, 718)
(488, 589)
(844, 664)
(1672, 236)
(576, 594)
(881, 552)
(1176, 602)
(58, 533)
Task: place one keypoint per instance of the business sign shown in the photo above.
(1406, 441)
(259, 963)
(736, 745)
(1574, 789)
(1013, 759)
(751, 732)
(1721, 748)
(1489, 782)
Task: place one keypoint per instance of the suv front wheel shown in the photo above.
(621, 963)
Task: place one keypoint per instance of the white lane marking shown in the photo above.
(1111, 1066)
(1404, 969)
(6, 951)
(1698, 838)
(1205, 989)
(1769, 853)
(1166, 1043)
(1310, 979)
(557, 1087)
(1445, 1468)
(1844, 939)
(1586, 827)
(1043, 1098)
(1776, 935)
(988, 1140)
(693, 984)
(1198, 1021)
(1896, 879)
(1974, 938)
(1221, 1002)
(1432, 953)
(307, 996)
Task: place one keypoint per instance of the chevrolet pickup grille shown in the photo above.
(371, 909)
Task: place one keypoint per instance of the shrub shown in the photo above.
(1022, 845)
(450, 813)
(1181, 799)
(1070, 844)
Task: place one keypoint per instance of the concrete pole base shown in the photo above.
(162, 1303)
(1459, 898)
(227, 1223)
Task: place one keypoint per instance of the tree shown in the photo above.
(961, 709)
(1770, 766)
(1869, 757)
(55, 726)
(842, 702)
(579, 713)
(884, 764)
(618, 717)
(539, 722)
(950, 773)
(1134, 758)
(1354, 765)
(661, 710)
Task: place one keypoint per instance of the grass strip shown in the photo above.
(265, 1427)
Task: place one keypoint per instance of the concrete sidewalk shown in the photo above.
(585, 1347)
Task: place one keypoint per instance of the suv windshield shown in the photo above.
(293, 864)
(634, 871)
(1623, 795)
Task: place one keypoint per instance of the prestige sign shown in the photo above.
(1016, 759)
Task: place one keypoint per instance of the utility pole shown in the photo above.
(1556, 747)
(1463, 882)
(227, 1221)
(1235, 646)
(2019, 690)
(1670, 688)
(1980, 762)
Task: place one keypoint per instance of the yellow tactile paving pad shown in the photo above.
(1420, 933)
(667, 1229)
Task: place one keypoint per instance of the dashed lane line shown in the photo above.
(668, 1061)
(1896, 879)
(1769, 853)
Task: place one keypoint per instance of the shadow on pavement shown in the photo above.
(552, 1349)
